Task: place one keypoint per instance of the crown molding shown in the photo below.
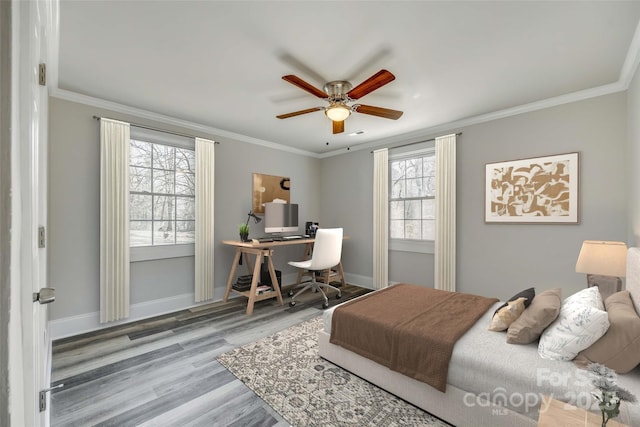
(631, 61)
(161, 118)
(627, 72)
(483, 118)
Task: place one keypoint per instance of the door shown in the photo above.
(29, 161)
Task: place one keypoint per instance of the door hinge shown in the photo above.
(42, 74)
(42, 396)
(45, 296)
(41, 237)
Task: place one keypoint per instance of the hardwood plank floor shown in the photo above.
(163, 371)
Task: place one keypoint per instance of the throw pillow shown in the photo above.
(619, 348)
(578, 325)
(543, 310)
(506, 315)
(590, 296)
(529, 294)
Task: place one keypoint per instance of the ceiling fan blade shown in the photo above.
(338, 127)
(377, 111)
(374, 82)
(297, 113)
(297, 81)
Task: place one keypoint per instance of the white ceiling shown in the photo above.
(219, 64)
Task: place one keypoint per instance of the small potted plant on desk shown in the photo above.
(244, 232)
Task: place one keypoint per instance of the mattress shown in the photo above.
(515, 376)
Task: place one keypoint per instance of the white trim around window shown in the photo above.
(409, 245)
(419, 246)
(149, 253)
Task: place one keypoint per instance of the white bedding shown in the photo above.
(485, 367)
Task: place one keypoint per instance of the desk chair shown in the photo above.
(327, 250)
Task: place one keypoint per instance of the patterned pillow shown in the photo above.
(590, 296)
(579, 324)
(507, 314)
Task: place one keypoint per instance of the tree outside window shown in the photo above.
(412, 197)
(162, 194)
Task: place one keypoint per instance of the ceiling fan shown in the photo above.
(340, 93)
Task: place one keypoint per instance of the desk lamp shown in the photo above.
(255, 218)
(604, 263)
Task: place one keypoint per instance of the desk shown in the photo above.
(262, 250)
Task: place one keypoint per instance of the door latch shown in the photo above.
(45, 296)
(42, 396)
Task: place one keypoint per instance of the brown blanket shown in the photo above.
(407, 328)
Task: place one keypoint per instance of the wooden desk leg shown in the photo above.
(232, 273)
(299, 279)
(247, 261)
(254, 284)
(274, 278)
(308, 250)
(341, 271)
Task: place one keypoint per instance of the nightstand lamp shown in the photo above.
(604, 263)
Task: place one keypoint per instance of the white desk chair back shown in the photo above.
(327, 251)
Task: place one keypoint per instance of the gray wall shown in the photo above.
(5, 208)
(496, 259)
(633, 160)
(74, 227)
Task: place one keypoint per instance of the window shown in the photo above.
(162, 194)
(412, 199)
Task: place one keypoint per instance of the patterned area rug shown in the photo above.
(287, 373)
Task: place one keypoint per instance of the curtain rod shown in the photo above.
(417, 142)
(155, 129)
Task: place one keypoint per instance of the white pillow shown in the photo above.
(581, 322)
(590, 296)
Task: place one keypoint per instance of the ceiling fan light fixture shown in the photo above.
(337, 112)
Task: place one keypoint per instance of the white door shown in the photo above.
(32, 23)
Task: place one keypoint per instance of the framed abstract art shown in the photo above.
(269, 188)
(540, 190)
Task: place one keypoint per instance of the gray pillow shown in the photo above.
(619, 347)
(543, 310)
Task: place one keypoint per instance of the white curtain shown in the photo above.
(381, 218)
(205, 166)
(114, 220)
(445, 245)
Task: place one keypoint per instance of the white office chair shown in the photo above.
(327, 250)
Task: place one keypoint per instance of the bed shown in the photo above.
(491, 382)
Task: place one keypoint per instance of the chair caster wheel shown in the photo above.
(338, 296)
(290, 293)
(292, 303)
(325, 305)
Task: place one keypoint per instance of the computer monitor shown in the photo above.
(280, 217)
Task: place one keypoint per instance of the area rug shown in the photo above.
(306, 390)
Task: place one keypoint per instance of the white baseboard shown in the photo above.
(359, 280)
(87, 322)
(353, 279)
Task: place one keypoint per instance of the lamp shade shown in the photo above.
(337, 112)
(602, 258)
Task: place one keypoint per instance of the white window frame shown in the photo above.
(149, 253)
(410, 245)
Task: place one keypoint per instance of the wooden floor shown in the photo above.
(163, 371)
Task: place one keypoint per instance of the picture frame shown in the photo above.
(537, 190)
(269, 188)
